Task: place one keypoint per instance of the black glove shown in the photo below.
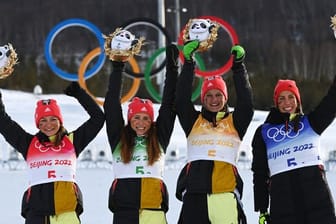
(172, 54)
(73, 89)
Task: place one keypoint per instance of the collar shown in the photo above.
(214, 116)
(276, 117)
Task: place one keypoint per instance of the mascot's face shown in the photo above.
(4, 55)
(199, 29)
(122, 40)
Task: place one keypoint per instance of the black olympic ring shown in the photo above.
(152, 23)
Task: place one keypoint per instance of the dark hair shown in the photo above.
(128, 142)
(59, 135)
(297, 118)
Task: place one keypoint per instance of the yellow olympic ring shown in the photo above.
(84, 64)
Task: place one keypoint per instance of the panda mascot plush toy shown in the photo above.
(8, 58)
(121, 45)
(333, 24)
(203, 30)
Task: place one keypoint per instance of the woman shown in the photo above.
(138, 193)
(287, 168)
(53, 195)
(209, 185)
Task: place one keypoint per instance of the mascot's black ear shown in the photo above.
(134, 42)
(211, 27)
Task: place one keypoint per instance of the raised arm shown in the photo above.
(184, 105)
(324, 114)
(243, 112)
(112, 106)
(85, 133)
(167, 113)
(14, 134)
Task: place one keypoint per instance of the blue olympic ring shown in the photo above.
(57, 29)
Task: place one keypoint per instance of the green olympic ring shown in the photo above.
(150, 88)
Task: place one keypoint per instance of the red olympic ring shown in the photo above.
(234, 40)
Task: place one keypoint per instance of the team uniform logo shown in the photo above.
(288, 149)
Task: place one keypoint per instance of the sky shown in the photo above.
(95, 177)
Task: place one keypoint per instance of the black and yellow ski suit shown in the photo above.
(42, 201)
(297, 195)
(202, 178)
(129, 196)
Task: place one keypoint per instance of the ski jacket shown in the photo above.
(304, 188)
(144, 192)
(56, 197)
(212, 176)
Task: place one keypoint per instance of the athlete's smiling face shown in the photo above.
(214, 100)
(141, 123)
(287, 102)
(49, 125)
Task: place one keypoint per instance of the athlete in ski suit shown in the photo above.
(53, 195)
(287, 167)
(209, 184)
(138, 194)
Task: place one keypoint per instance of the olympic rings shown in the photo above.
(83, 66)
(278, 134)
(150, 87)
(135, 73)
(151, 23)
(234, 40)
(57, 29)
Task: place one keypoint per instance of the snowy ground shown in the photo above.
(94, 177)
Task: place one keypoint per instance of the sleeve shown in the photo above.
(112, 105)
(85, 133)
(167, 113)
(324, 114)
(260, 173)
(243, 112)
(14, 134)
(186, 112)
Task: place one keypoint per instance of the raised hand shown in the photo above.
(72, 89)
(238, 53)
(189, 48)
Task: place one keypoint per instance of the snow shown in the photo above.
(94, 177)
